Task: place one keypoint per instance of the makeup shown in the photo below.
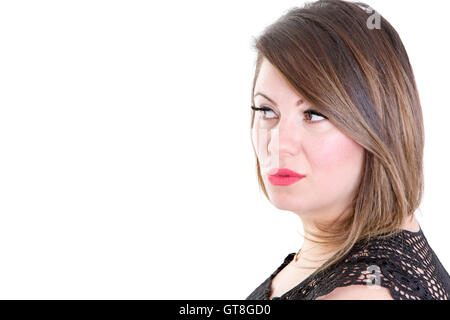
(284, 177)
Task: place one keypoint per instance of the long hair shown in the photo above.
(362, 80)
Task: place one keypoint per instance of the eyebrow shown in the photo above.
(299, 102)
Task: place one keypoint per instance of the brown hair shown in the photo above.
(362, 80)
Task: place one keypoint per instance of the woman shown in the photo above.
(338, 136)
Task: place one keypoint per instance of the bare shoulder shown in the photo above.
(358, 292)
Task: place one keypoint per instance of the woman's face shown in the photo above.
(308, 144)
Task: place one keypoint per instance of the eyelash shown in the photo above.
(309, 111)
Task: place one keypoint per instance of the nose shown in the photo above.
(285, 138)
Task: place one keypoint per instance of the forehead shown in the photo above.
(271, 82)
(269, 76)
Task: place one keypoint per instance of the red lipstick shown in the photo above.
(284, 177)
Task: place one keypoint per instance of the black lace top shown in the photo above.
(404, 263)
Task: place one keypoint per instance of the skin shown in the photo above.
(331, 162)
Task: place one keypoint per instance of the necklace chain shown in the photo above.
(296, 255)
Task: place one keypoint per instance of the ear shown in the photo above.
(358, 292)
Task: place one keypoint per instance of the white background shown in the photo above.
(126, 166)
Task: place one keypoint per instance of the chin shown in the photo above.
(286, 201)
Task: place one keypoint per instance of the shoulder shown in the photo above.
(353, 278)
(392, 262)
(358, 292)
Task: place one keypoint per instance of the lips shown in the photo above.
(284, 177)
(285, 172)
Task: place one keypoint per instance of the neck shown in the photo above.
(313, 254)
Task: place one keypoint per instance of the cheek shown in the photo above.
(336, 160)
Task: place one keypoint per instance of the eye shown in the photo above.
(309, 114)
(264, 109)
(312, 113)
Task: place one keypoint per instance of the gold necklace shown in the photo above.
(296, 255)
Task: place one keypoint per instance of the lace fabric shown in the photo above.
(404, 263)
